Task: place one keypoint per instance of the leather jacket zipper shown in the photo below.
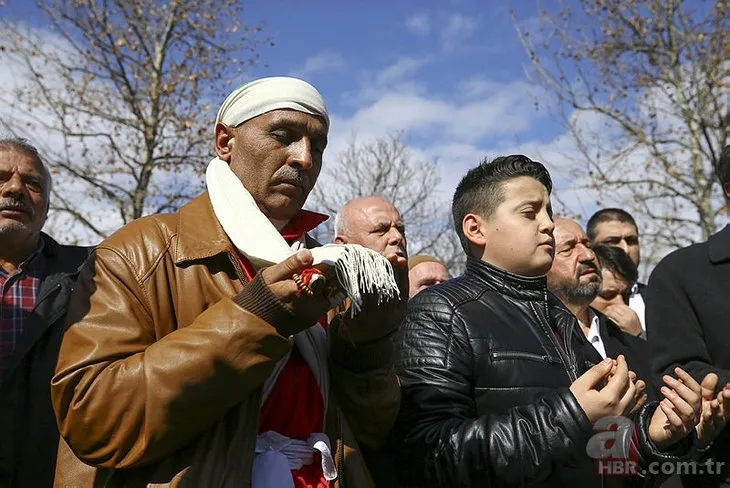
(522, 355)
(549, 331)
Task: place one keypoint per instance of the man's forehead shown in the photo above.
(11, 158)
(429, 268)
(284, 116)
(615, 228)
(567, 230)
(380, 210)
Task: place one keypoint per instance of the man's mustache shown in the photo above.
(584, 267)
(18, 204)
(291, 174)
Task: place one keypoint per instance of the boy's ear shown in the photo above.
(473, 226)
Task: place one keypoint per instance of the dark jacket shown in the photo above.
(485, 386)
(635, 350)
(688, 315)
(28, 431)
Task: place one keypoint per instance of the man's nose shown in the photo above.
(301, 153)
(14, 186)
(395, 236)
(586, 254)
(624, 245)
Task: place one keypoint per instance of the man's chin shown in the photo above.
(14, 229)
(282, 207)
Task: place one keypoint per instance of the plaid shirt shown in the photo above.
(18, 295)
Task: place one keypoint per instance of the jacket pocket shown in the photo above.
(531, 356)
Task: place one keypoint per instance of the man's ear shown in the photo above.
(726, 187)
(341, 240)
(473, 227)
(224, 139)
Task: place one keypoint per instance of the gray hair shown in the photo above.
(21, 145)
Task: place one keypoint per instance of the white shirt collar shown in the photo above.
(594, 334)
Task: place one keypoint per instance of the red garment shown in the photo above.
(295, 407)
(18, 294)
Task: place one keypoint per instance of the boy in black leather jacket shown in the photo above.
(499, 386)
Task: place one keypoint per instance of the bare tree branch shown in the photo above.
(119, 89)
(642, 88)
(385, 167)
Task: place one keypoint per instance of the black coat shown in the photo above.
(28, 430)
(688, 315)
(485, 387)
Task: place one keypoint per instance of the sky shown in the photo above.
(451, 74)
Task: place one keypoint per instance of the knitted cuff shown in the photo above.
(360, 358)
(257, 298)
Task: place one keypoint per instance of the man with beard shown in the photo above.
(36, 277)
(575, 278)
(198, 353)
(616, 227)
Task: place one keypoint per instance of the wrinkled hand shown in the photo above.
(376, 321)
(679, 412)
(279, 280)
(715, 410)
(625, 317)
(618, 397)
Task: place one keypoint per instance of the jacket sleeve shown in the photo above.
(124, 397)
(444, 442)
(364, 381)
(675, 333)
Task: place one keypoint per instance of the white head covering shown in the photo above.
(267, 94)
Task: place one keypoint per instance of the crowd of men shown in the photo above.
(183, 351)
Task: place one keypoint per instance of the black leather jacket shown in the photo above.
(485, 387)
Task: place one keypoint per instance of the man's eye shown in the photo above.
(282, 135)
(34, 185)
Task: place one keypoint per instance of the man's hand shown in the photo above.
(715, 410)
(623, 316)
(376, 321)
(618, 397)
(640, 395)
(679, 412)
(278, 278)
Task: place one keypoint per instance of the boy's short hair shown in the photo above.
(481, 189)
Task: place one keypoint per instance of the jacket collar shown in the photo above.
(201, 236)
(66, 260)
(719, 246)
(513, 285)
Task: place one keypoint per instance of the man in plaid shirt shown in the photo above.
(36, 277)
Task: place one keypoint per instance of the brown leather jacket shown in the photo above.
(160, 373)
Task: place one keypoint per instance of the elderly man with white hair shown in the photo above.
(197, 353)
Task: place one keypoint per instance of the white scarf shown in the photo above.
(359, 270)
